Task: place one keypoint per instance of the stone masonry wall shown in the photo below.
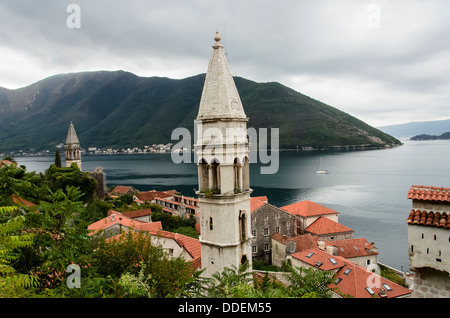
(431, 283)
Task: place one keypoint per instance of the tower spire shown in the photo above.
(220, 97)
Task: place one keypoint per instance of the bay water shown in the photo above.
(367, 188)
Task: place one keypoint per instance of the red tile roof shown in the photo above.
(133, 214)
(152, 194)
(118, 218)
(319, 259)
(347, 248)
(351, 279)
(308, 208)
(22, 202)
(256, 202)
(303, 242)
(324, 225)
(425, 218)
(123, 189)
(6, 163)
(429, 193)
(356, 247)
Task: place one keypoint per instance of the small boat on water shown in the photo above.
(321, 170)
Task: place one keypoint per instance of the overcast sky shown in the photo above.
(385, 62)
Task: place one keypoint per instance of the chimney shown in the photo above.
(330, 249)
(113, 217)
(321, 245)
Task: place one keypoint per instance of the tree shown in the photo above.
(309, 282)
(62, 235)
(58, 159)
(132, 254)
(12, 238)
(9, 158)
(61, 178)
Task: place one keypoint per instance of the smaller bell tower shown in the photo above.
(72, 148)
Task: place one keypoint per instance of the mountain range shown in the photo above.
(119, 109)
(406, 130)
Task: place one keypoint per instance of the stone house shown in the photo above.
(428, 240)
(266, 220)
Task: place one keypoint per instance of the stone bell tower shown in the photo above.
(72, 148)
(222, 151)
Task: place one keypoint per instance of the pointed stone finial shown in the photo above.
(217, 38)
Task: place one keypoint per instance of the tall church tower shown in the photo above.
(222, 151)
(72, 148)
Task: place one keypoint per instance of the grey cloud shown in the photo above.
(264, 40)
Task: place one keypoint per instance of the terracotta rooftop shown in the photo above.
(308, 208)
(351, 279)
(319, 259)
(6, 163)
(429, 193)
(355, 247)
(133, 214)
(123, 189)
(118, 218)
(347, 248)
(324, 225)
(152, 194)
(256, 202)
(431, 218)
(22, 202)
(303, 242)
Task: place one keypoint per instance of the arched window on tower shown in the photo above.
(243, 225)
(215, 175)
(237, 171)
(203, 173)
(245, 174)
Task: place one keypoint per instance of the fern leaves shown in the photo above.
(11, 238)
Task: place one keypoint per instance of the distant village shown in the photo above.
(154, 148)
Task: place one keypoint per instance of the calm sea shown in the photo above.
(367, 188)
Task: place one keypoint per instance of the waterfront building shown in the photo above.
(428, 240)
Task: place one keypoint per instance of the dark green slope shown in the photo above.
(120, 109)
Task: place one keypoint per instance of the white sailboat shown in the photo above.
(321, 170)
